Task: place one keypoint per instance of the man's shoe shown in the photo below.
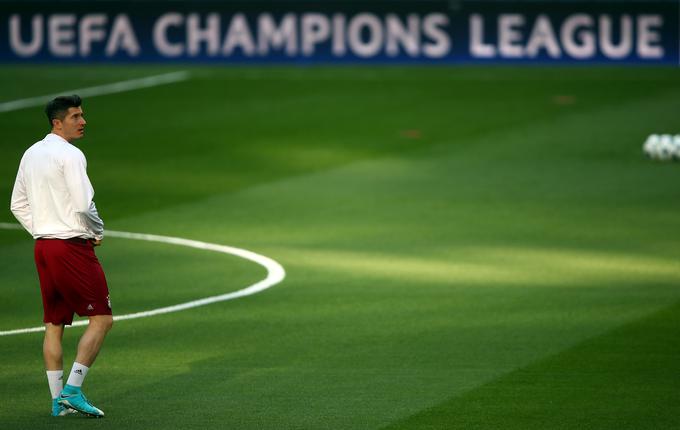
(78, 402)
(59, 410)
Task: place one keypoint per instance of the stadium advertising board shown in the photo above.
(341, 32)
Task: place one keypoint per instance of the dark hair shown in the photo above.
(57, 108)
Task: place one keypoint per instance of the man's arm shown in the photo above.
(19, 204)
(82, 193)
(94, 222)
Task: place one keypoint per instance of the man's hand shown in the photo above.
(95, 242)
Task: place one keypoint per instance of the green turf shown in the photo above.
(464, 247)
(625, 379)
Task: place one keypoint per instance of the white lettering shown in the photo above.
(315, 29)
(61, 35)
(18, 46)
(647, 36)
(210, 35)
(374, 30)
(398, 34)
(366, 35)
(91, 30)
(586, 48)
(339, 43)
(609, 49)
(543, 37)
(122, 38)
(477, 46)
(239, 36)
(433, 27)
(270, 35)
(509, 35)
(160, 36)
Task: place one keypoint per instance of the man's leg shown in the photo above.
(54, 364)
(93, 338)
(88, 347)
(52, 351)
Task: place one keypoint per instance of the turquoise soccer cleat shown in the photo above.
(73, 398)
(59, 410)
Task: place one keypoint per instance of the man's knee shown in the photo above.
(54, 331)
(102, 322)
(107, 321)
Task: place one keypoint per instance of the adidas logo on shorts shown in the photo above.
(90, 307)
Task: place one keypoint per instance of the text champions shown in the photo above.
(335, 36)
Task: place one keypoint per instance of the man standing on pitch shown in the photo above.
(52, 199)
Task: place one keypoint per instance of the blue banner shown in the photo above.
(341, 32)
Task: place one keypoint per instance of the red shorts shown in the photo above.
(71, 280)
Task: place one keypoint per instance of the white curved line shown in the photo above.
(275, 274)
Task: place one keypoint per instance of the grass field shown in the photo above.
(472, 248)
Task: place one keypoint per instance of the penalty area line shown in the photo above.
(275, 274)
(99, 90)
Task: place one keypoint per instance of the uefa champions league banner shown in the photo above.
(645, 32)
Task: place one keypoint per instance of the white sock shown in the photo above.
(56, 380)
(78, 374)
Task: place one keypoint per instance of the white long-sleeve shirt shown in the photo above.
(52, 196)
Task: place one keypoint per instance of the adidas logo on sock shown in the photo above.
(78, 371)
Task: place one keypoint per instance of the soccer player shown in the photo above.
(52, 199)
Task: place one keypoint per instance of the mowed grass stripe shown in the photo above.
(577, 188)
(492, 265)
(624, 379)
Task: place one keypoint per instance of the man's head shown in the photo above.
(66, 117)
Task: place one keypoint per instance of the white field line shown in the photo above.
(275, 274)
(116, 87)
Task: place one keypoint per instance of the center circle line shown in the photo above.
(275, 275)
